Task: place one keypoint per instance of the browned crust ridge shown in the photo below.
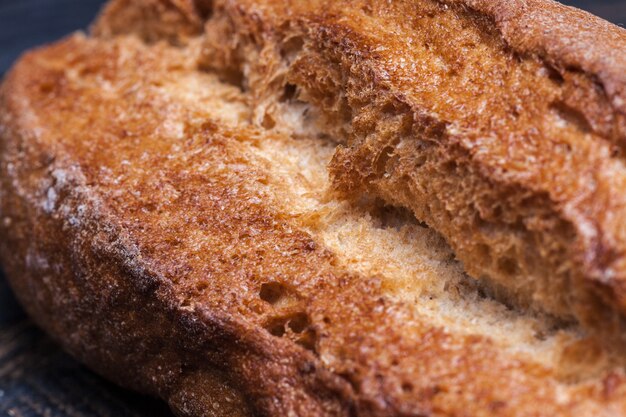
(500, 124)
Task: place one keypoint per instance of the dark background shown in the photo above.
(36, 378)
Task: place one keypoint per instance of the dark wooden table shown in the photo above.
(36, 377)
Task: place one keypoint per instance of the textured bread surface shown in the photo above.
(173, 206)
(499, 124)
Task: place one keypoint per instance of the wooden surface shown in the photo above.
(36, 377)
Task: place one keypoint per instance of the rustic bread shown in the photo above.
(168, 217)
(500, 124)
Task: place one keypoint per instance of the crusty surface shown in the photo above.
(499, 124)
(125, 215)
(177, 21)
(146, 229)
(178, 249)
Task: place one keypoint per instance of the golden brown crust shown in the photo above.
(145, 254)
(174, 20)
(506, 141)
(94, 238)
(564, 36)
(139, 230)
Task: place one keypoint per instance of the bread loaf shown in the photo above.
(501, 125)
(404, 208)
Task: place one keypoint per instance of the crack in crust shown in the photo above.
(500, 144)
